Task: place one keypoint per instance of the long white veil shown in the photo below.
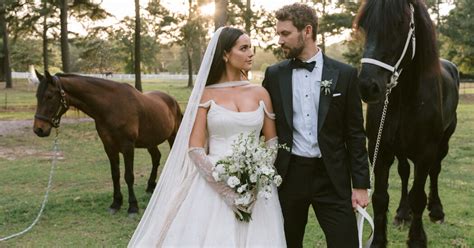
(178, 172)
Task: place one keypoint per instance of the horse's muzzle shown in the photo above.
(41, 128)
(370, 90)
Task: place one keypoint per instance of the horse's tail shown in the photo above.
(179, 117)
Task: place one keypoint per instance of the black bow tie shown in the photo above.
(297, 64)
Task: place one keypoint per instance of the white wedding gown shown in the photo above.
(204, 219)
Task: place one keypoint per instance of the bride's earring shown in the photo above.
(225, 60)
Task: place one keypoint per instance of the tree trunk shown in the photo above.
(45, 36)
(248, 17)
(64, 36)
(190, 68)
(323, 36)
(6, 52)
(220, 15)
(138, 76)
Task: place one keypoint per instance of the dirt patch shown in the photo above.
(466, 98)
(16, 127)
(19, 126)
(10, 153)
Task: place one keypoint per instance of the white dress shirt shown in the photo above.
(306, 92)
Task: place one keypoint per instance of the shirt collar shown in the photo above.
(318, 57)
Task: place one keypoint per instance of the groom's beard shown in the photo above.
(295, 51)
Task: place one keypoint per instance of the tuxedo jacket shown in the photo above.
(341, 135)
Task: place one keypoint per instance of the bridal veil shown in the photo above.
(178, 171)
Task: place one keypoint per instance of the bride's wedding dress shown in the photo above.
(204, 219)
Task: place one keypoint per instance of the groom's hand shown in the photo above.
(360, 197)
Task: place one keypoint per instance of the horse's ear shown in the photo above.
(49, 78)
(39, 76)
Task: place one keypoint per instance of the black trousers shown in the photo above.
(307, 183)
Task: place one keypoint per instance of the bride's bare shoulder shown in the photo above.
(206, 95)
(259, 91)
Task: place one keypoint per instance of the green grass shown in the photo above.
(76, 214)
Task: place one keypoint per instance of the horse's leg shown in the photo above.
(403, 210)
(380, 198)
(434, 202)
(155, 159)
(115, 171)
(417, 198)
(171, 140)
(128, 156)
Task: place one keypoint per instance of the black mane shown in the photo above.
(381, 16)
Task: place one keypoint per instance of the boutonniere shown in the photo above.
(326, 86)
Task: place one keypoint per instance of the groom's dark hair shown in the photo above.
(226, 41)
(301, 15)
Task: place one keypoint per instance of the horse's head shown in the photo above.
(389, 30)
(51, 104)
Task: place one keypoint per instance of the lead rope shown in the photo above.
(48, 189)
(363, 215)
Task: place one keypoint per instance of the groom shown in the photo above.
(319, 116)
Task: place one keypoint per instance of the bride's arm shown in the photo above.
(198, 155)
(269, 129)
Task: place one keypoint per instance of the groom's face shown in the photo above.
(291, 40)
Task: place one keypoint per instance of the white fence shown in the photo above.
(257, 76)
(166, 76)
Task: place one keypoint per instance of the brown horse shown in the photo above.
(124, 118)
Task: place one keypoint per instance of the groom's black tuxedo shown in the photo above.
(341, 138)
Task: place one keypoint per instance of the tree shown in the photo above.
(5, 49)
(138, 77)
(456, 28)
(64, 35)
(220, 15)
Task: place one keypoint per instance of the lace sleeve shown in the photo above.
(271, 143)
(204, 166)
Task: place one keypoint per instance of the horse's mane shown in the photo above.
(380, 16)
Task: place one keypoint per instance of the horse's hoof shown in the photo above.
(437, 220)
(113, 211)
(416, 243)
(437, 214)
(150, 189)
(132, 215)
(132, 210)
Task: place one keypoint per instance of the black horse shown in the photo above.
(421, 113)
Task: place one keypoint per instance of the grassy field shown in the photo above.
(76, 214)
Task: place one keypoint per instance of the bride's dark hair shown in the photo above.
(227, 39)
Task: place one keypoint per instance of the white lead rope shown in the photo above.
(45, 199)
(361, 216)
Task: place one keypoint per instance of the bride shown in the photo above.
(188, 207)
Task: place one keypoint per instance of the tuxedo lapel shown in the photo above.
(330, 73)
(286, 89)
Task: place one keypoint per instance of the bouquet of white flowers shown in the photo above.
(249, 171)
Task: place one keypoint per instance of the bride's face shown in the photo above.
(241, 55)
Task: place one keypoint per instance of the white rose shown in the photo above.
(219, 168)
(253, 178)
(277, 180)
(233, 181)
(242, 188)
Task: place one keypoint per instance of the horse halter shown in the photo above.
(63, 106)
(394, 69)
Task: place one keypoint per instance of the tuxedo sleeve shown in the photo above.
(355, 136)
